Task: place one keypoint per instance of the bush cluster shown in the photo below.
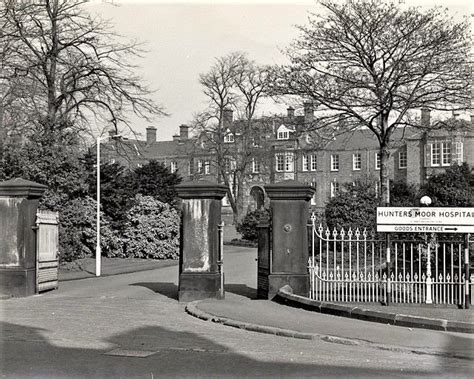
(138, 207)
(248, 226)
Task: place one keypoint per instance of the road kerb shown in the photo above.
(193, 310)
(286, 297)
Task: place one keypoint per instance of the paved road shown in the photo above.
(132, 326)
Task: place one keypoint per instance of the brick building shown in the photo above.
(325, 164)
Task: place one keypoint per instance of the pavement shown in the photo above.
(112, 266)
(246, 312)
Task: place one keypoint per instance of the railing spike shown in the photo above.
(320, 229)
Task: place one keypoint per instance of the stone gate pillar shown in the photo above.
(19, 200)
(199, 276)
(289, 257)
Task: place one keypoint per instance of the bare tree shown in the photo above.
(370, 64)
(234, 84)
(67, 68)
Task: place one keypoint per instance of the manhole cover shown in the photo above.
(130, 353)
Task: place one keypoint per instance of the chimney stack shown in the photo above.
(176, 138)
(290, 112)
(150, 134)
(112, 133)
(227, 116)
(183, 132)
(425, 117)
(308, 112)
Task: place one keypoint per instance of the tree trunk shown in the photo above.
(384, 175)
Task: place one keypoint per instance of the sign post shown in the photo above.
(428, 220)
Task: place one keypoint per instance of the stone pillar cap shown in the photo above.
(201, 189)
(19, 187)
(289, 190)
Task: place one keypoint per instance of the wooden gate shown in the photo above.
(47, 251)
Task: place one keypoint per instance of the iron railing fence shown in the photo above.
(352, 266)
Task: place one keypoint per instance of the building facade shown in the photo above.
(325, 164)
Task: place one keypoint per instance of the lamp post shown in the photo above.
(98, 256)
(426, 201)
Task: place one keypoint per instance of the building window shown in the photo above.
(402, 159)
(229, 164)
(313, 199)
(305, 163)
(377, 161)
(458, 153)
(289, 162)
(314, 162)
(228, 137)
(173, 167)
(279, 162)
(334, 162)
(377, 189)
(284, 134)
(441, 153)
(207, 167)
(284, 162)
(435, 154)
(446, 154)
(255, 166)
(190, 167)
(200, 168)
(334, 189)
(356, 161)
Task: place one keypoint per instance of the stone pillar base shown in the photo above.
(299, 283)
(199, 286)
(17, 282)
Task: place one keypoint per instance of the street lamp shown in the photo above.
(425, 200)
(98, 255)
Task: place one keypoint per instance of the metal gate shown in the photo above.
(47, 251)
(351, 266)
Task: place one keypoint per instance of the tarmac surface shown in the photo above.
(131, 325)
(245, 308)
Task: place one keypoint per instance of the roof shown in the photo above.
(366, 139)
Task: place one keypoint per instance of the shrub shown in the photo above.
(151, 230)
(77, 231)
(248, 226)
(354, 207)
(452, 188)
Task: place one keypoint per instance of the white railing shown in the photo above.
(351, 266)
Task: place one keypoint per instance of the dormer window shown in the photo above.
(228, 137)
(283, 133)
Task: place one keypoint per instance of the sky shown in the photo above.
(184, 38)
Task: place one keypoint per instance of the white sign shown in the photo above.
(425, 220)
